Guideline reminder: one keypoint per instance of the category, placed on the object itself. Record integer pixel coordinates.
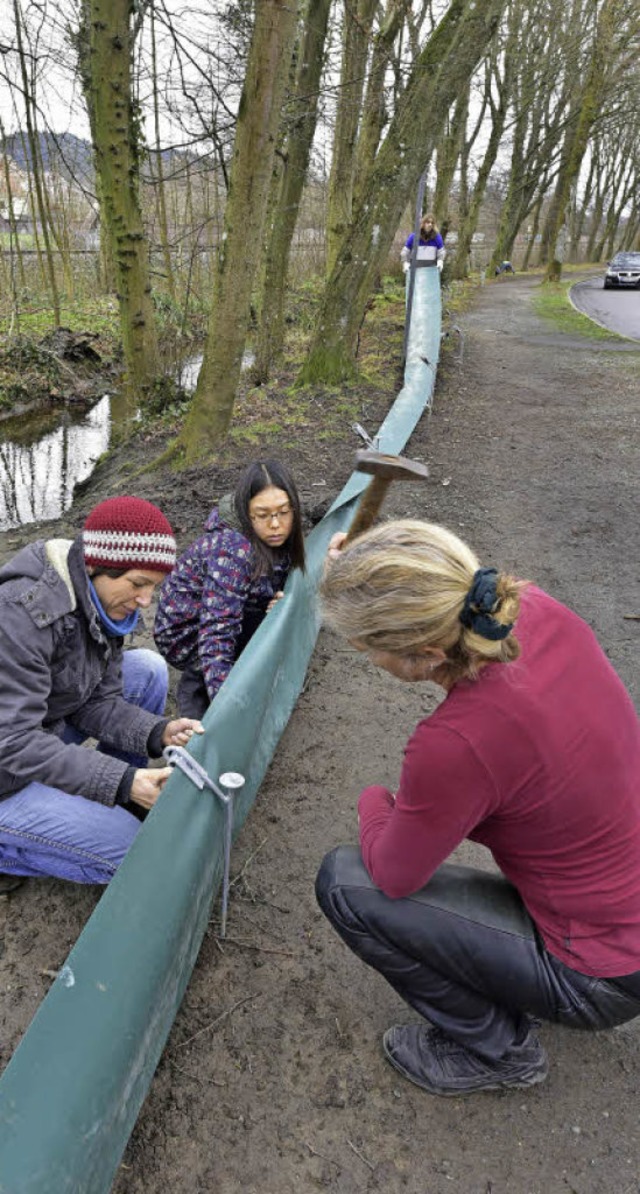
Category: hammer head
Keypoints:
(390, 468)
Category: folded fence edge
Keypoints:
(72, 1091)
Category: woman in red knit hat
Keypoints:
(65, 609)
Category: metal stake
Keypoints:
(231, 782)
(373, 444)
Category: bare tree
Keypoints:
(356, 39)
(35, 162)
(105, 43)
(239, 255)
(614, 48)
(287, 191)
(440, 71)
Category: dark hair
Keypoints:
(112, 573)
(258, 476)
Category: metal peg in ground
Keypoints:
(383, 469)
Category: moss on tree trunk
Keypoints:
(107, 77)
(442, 68)
(239, 252)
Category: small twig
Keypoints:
(255, 899)
(359, 1154)
(58, 360)
(218, 1020)
(202, 1081)
(264, 949)
(315, 1153)
(631, 617)
(247, 861)
(245, 916)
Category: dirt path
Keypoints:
(273, 1081)
(284, 1091)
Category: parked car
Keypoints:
(623, 270)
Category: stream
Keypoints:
(45, 454)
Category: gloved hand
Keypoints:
(440, 264)
(405, 267)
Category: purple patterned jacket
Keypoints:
(209, 594)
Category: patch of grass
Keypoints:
(82, 315)
(255, 433)
(551, 301)
(457, 295)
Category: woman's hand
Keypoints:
(275, 599)
(336, 543)
(181, 731)
(147, 785)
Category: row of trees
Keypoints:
(541, 97)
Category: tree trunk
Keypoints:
(296, 155)
(239, 253)
(469, 222)
(534, 232)
(580, 215)
(356, 37)
(14, 236)
(588, 106)
(106, 74)
(631, 237)
(374, 112)
(596, 219)
(35, 165)
(447, 154)
(161, 205)
(439, 73)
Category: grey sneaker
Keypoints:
(431, 1059)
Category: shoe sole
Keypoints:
(534, 1080)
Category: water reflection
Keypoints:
(190, 369)
(40, 467)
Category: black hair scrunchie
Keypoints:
(476, 613)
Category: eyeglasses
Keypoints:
(267, 516)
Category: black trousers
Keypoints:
(465, 954)
(192, 696)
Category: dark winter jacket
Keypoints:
(210, 605)
(56, 667)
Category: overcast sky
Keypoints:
(58, 94)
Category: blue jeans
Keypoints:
(44, 831)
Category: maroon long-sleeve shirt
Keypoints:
(540, 761)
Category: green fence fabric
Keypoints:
(72, 1091)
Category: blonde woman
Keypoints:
(534, 752)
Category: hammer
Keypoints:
(383, 469)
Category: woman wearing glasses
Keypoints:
(225, 582)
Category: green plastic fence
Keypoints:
(72, 1091)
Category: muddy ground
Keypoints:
(533, 450)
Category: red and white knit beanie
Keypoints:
(127, 532)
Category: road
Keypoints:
(618, 310)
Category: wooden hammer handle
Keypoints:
(369, 507)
